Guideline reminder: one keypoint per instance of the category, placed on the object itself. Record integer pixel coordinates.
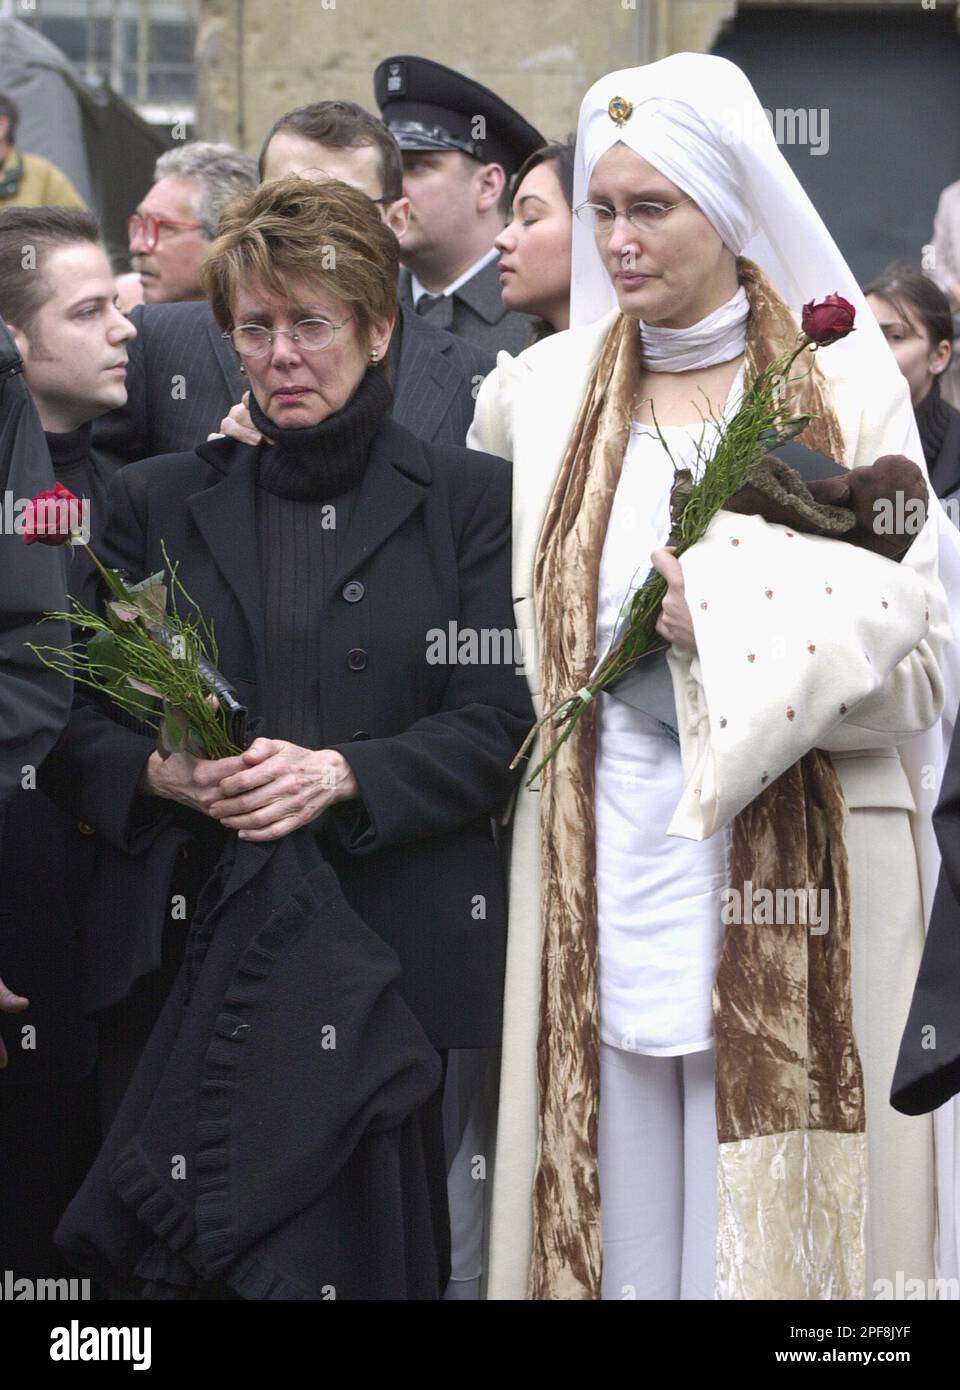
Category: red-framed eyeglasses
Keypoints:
(145, 228)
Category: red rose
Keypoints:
(829, 320)
(51, 515)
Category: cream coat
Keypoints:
(525, 412)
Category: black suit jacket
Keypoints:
(476, 312)
(429, 742)
(184, 377)
(34, 700)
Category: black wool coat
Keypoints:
(33, 699)
(426, 551)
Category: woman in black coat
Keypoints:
(341, 565)
(915, 316)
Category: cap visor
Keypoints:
(407, 141)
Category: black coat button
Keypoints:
(353, 591)
(356, 659)
(84, 828)
(359, 735)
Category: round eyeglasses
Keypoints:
(643, 217)
(311, 335)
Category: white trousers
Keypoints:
(658, 1175)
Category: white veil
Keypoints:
(697, 119)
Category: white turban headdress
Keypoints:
(698, 121)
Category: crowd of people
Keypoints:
(362, 1010)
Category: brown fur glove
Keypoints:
(881, 507)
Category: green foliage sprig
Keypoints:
(138, 654)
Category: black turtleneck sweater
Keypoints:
(88, 480)
(308, 484)
(939, 426)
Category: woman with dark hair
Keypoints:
(914, 316)
(535, 246)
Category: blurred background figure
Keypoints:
(914, 315)
(29, 180)
(535, 246)
(945, 270)
(177, 219)
(339, 140)
(460, 146)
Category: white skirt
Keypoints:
(658, 897)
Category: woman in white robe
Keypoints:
(706, 139)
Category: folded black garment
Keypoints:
(269, 1144)
(927, 1073)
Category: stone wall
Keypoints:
(258, 58)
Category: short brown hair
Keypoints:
(343, 125)
(294, 228)
(24, 288)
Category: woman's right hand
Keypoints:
(194, 782)
(238, 425)
(10, 1003)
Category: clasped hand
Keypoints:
(268, 791)
(674, 623)
(238, 424)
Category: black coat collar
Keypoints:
(945, 469)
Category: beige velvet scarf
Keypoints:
(790, 1109)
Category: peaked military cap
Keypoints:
(427, 106)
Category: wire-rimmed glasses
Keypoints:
(643, 217)
(312, 335)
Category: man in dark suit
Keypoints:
(184, 376)
(461, 144)
(34, 701)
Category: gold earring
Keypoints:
(374, 355)
(243, 370)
